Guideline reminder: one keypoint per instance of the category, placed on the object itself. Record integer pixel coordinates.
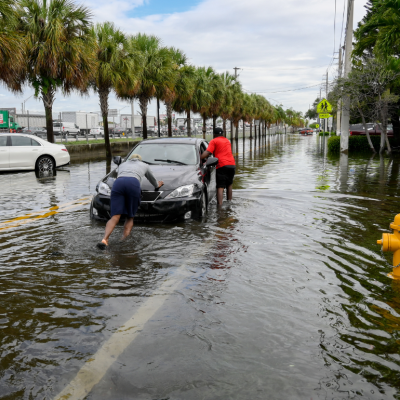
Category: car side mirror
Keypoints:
(211, 162)
(117, 160)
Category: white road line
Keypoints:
(96, 367)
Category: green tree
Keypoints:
(158, 74)
(117, 68)
(59, 49)
(12, 46)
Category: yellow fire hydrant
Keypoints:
(391, 242)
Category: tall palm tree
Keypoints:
(11, 46)
(183, 86)
(230, 85)
(117, 68)
(158, 72)
(59, 49)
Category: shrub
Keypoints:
(356, 143)
(324, 134)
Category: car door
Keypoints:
(4, 153)
(24, 152)
(209, 174)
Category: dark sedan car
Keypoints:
(373, 129)
(189, 184)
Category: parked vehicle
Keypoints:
(23, 152)
(373, 129)
(65, 128)
(189, 184)
(306, 131)
(84, 120)
(7, 121)
(97, 131)
(120, 131)
(35, 131)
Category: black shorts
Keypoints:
(225, 176)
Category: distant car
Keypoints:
(120, 131)
(35, 131)
(65, 128)
(19, 152)
(373, 129)
(306, 131)
(97, 131)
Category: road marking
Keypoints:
(93, 371)
(31, 217)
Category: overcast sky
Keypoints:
(280, 45)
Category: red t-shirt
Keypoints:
(221, 148)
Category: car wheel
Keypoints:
(45, 164)
(202, 208)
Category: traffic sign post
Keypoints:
(323, 116)
(324, 107)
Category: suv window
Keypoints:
(3, 140)
(35, 143)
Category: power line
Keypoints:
(289, 90)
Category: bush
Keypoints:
(324, 134)
(356, 143)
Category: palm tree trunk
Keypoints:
(204, 126)
(189, 127)
(237, 130)
(48, 100)
(231, 129)
(251, 129)
(103, 95)
(168, 106)
(224, 126)
(143, 102)
(214, 122)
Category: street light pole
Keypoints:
(344, 136)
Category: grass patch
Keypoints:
(94, 141)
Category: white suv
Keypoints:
(65, 128)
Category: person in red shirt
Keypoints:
(221, 148)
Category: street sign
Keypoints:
(113, 113)
(317, 125)
(324, 107)
(323, 116)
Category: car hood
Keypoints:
(173, 176)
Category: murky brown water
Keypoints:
(284, 293)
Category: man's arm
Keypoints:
(205, 154)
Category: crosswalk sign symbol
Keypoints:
(324, 107)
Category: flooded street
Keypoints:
(282, 294)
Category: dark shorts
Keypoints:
(125, 197)
(225, 176)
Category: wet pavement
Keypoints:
(282, 294)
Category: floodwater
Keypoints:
(282, 294)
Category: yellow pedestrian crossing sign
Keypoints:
(323, 116)
(324, 107)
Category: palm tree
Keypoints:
(59, 49)
(117, 69)
(11, 46)
(183, 86)
(230, 86)
(158, 72)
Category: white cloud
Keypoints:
(279, 45)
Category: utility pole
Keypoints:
(318, 119)
(236, 70)
(326, 94)
(338, 114)
(344, 136)
(132, 120)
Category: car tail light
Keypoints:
(65, 150)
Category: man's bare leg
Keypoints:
(127, 228)
(111, 224)
(220, 196)
(229, 193)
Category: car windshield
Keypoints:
(169, 153)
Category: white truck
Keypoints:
(85, 120)
(30, 120)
